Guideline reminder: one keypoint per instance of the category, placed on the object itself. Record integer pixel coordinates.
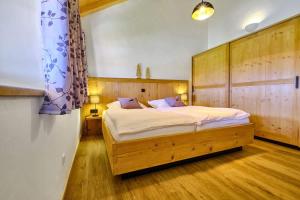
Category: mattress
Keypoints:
(169, 130)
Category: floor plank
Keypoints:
(261, 171)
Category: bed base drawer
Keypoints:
(130, 156)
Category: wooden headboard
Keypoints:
(109, 89)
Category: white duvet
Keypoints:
(203, 115)
(137, 120)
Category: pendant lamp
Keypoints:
(203, 11)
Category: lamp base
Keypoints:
(94, 112)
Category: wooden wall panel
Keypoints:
(110, 89)
(127, 89)
(169, 89)
(263, 70)
(211, 77)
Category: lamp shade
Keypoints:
(203, 11)
(94, 99)
(184, 97)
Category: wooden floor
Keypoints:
(261, 171)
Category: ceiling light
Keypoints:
(251, 27)
(203, 11)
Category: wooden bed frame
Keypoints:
(134, 155)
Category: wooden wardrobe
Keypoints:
(264, 70)
(211, 77)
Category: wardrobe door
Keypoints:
(297, 84)
(263, 72)
(211, 77)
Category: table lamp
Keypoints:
(184, 97)
(94, 99)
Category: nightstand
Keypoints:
(93, 125)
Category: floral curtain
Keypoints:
(64, 57)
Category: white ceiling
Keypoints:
(231, 16)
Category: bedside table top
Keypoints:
(91, 117)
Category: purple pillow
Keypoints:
(174, 101)
(129, 103)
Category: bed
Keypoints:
(137, 150)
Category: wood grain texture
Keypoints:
(16, 91)
(90, 6)
(265, 82)
(263, 71)
(261, 171)
(211, 77)
(298, 74)
(110, 89)
(92, 126)
(133, 155)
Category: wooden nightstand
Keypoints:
(93, 126)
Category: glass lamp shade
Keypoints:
(94, 99)
(203, 11)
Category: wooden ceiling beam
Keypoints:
(96, 5)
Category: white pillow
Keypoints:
(117, 105)
(160, 103)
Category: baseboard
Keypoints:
(278, 143)
(69, 172)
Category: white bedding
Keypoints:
(145, 134)
(142, 123)
(224, 123)
(204, 115)
(130, 121)
(169, 130)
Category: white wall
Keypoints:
(20, 39)
(162, 35)
(159, 34)
(31, 148)
(31, 145)
(232, 15)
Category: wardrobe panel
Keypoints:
(263, 71)
(213, 97)
(211, 77)
(245, 98)
(298, 75)
(247, 63)
(276, 114)
(280, 45)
